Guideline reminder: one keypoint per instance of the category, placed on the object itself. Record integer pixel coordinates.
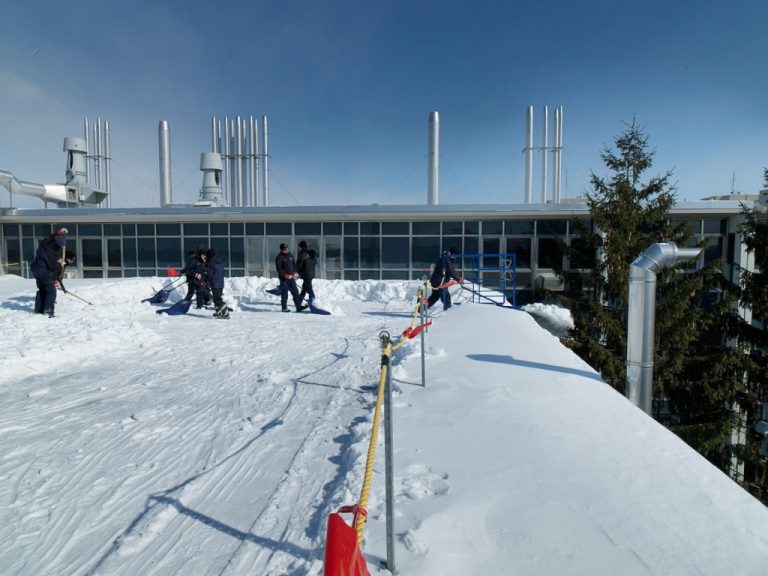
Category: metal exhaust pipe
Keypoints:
(642, 317)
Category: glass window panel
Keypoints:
(254, 229)
(28, 248)
(307, 228)
(521, 247)
(370, 252)
(279, 229)
(332, 254)
(715, 225)
(145, 229)
(114, 257)
(236, 253)
(394, 252)
(492, 227)
(114, 273)
(332, 228)
(13, 251)
(518, 227)
(146, 272)
(394, 275)
(169, 252)
(146, 251)
(551, 227)
(369, 275)
(237, 228)
(255, 255)
(221, 247)
(129, 253)
(220, 229)
(713, 250)
(472, 228)
(351, 228)
(90, 230)
(130, 272)
(426, 228)
(129, 229)
(371, 228)
(549, 253)
(196, 229)
(351, 252)
(351, 274)
(424, 252)
(42, 230)
(28, 230)
(168, 229)
(395, 228)
(453, 228)
(90, 253)
(111, 229)
(92, 273)
(11, 230)
(581, 254)
(491, 246)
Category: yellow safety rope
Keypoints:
(361, 518)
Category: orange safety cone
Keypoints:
(342, 554)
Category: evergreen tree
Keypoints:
(754, 337)
(627, 217)
(697, 378)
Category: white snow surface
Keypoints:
(133, 443)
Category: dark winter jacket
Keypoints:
(46, 263)
(215, 271)
(306, 262)
(285, 265)
(444, 270)
(195, 269)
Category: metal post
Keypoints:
(388, 461)
(422, 314)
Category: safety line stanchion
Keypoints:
(423, 311)
(389, 475)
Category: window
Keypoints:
(394, 252)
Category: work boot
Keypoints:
(285, 310)
(49, 311)
(301, 307)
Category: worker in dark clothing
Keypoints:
(215, 276)
(443, 273)
(286, 273)
(195, 271)
(306, 262)
(47, 269)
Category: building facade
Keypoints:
(354, 242)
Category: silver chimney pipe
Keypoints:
(96, 155)
(544, 150)
(214, 136)
(107, 166)
(87, 150)
(528, 155)
(433, 159)
(239, 161)
(265, 161)
(642, 317)
(252, 164)
(165, 163)
(557, 156)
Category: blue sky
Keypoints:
(348, 86)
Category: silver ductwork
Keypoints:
(265, 162)
(433, 160)
(164, 136)
(239, 149)
(528, 154)
(642, 317)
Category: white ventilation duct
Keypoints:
(642, 317)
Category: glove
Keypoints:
(287, 276)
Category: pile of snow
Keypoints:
(137, 443)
